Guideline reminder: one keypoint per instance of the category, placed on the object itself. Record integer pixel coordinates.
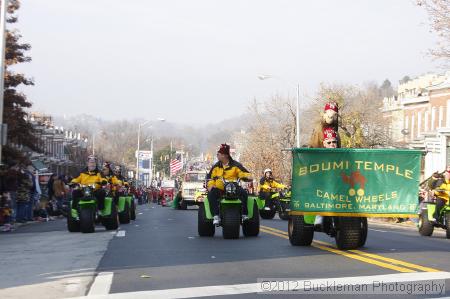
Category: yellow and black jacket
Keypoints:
(266, 185)
(119, 180)
(232, 172)
(88, 178)
(112, 179)
(443, 195)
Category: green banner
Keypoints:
(355, 182)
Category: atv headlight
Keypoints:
(230, 189)
(87, 192)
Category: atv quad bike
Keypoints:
(84, 216)
(427, 223)
(126, 208)
(230, 214)
(280, 204)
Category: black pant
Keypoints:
(267, 196)
(440, 203)
(98, 194)
(215, 195)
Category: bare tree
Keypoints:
(439, 14)
(271, 128)
(361, 122)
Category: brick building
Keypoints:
(419, 117)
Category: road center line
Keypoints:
(249, 288)
(102, 284)
(369, 258)
(394, 261)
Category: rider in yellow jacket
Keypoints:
(267, 186)
(442, 197)
(230, 170)
(90, 176)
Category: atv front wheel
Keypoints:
(112, 222)
(205, 226)
(425, 227)
(267, 214)
(250, 228)
(87, 221)
(231, 222)
(73, 225)
(300, 233)
(124, 217)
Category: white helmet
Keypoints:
(267, 170)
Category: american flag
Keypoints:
(175, 166)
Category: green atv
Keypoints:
(230, 214)
(280, 203)
(349, 232)
(126, 208)
(427, 223)
(84, 217)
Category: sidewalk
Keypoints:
(18, 225)
(391, 222)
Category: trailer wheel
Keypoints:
(349, 232)
(300, 233)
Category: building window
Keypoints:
(433, 118)
(447, 123)
(419, 123)
(426, 122)
(441, 116)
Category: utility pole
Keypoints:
(3, 9)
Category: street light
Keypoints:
(139, 143)
(297, 86)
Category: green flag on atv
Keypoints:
(355, 182)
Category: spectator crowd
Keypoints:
(23, 199)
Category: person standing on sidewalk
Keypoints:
(11, 185)
(36, 193)
(25, 183)
(59, 190)
(5, 203)
(30, 205)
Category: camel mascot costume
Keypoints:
(326, 129)
(329, 120)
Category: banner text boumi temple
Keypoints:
(355, 182)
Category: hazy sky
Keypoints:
(196, 61)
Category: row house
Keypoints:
(60, 151)
(419, 118)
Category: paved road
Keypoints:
(161, 256)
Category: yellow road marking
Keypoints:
(346, 254)
(394, 261)
(273, 233)
(357, 254)
(274, 229)
(387, 259)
